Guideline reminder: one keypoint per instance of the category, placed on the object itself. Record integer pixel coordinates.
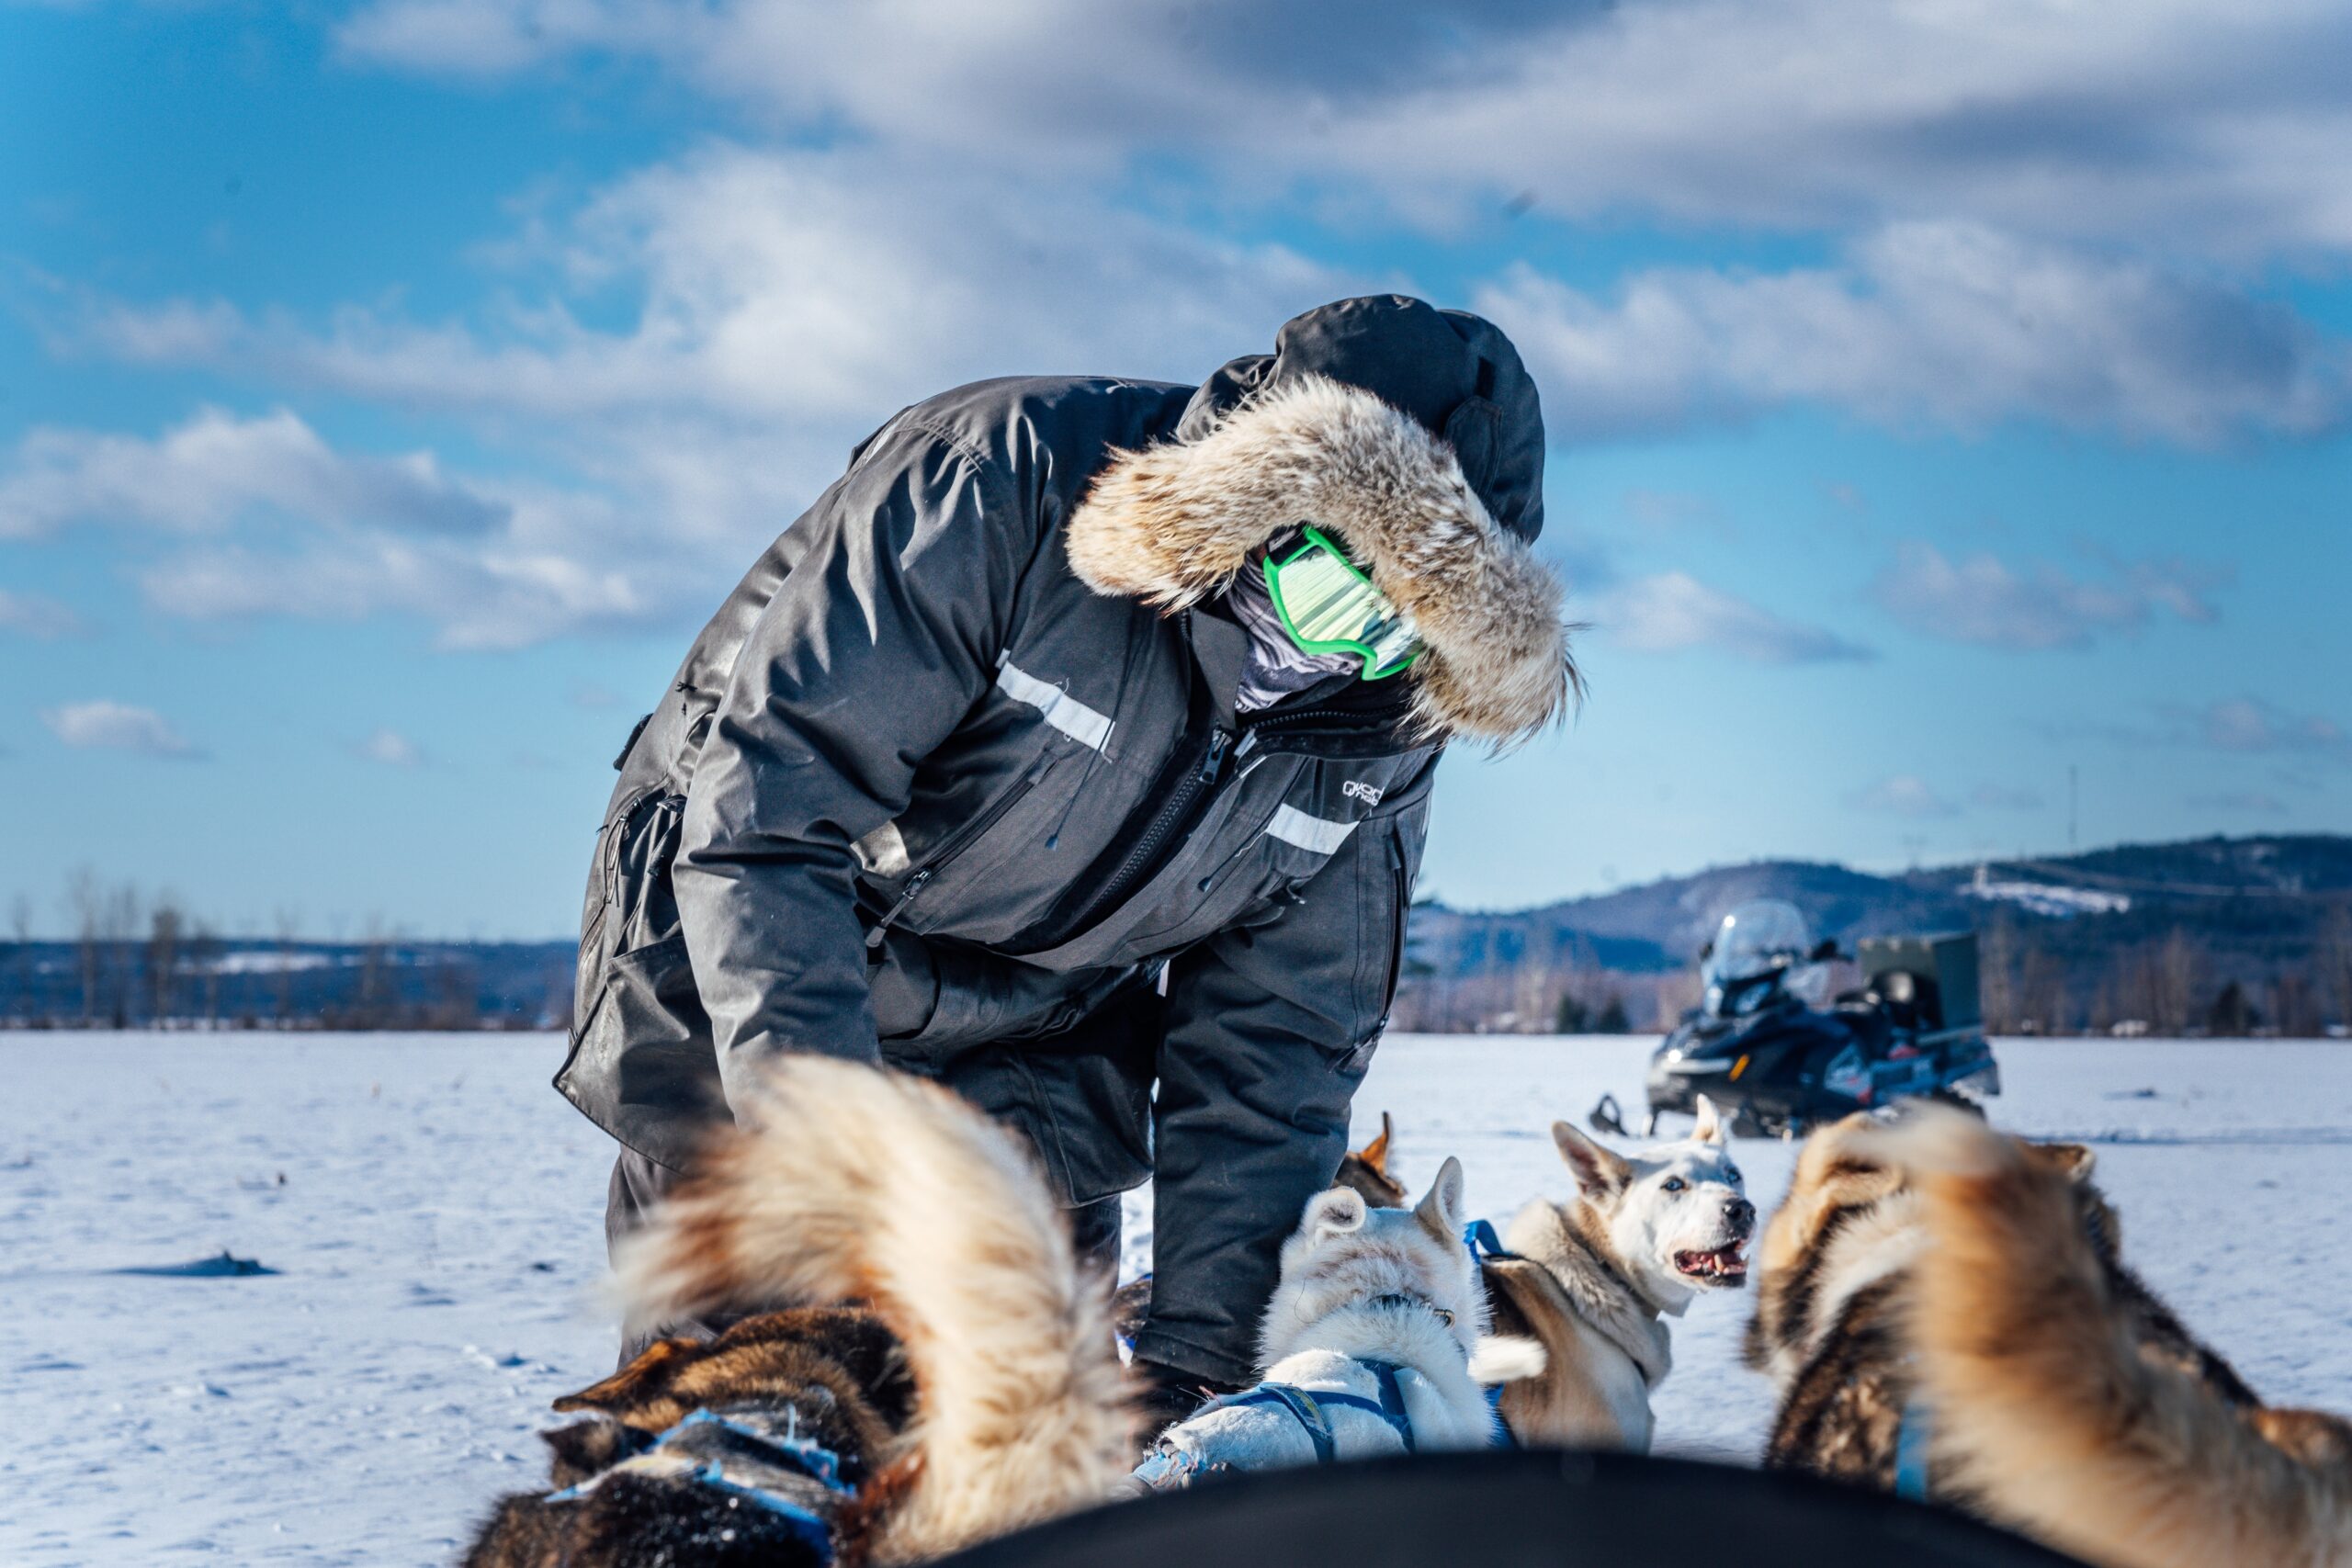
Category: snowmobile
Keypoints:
(1773, 1057)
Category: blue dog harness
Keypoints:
(1170, 1468)
(739, 1457)
(1911, 1441)
(1480, 1238)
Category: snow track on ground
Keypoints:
(439, 1243)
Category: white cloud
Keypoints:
(388, 746)
(786, 285)
(2251, 725)
(2195, 126)
(1926, 324)
(44, 620)
(282, 524)
(1672, 611)
(1903, 794)
(107, 726)
(215, 469)
(1981, 599)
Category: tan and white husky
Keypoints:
(1592, 1279)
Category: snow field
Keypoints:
(438, 1242)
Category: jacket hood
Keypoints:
(1174, 523)
(1454, 373)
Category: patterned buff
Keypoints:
(1277, 666)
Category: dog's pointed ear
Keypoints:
(643, 1379)
(1376, 1153)
(1335, 1213)
(1599, 1171)
(1440, 1209)
(2075, 1159)
(1710, 1129)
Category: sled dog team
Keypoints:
(1944, 1310)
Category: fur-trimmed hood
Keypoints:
(1174, 523)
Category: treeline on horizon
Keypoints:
(145, 961)
(2220, 970)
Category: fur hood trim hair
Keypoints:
(1173, 523)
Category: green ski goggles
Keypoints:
(1328, 606)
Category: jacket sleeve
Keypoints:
(1270, 1030)
(880, 638)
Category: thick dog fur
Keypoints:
(1363, 1171)
(1361, 1284)
(1591, 1278)
(2049, 1406)
(1832, 1324)
(860, 1185)
(1174, 523)
(834, 1375)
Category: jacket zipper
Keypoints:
(1177, 816)
(957, 843)
(1396, 943)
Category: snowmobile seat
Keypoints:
(1514, 1508)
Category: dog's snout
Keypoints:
(1741, 1212)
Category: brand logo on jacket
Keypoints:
(1366, 793)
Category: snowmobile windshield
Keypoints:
(1754, 939)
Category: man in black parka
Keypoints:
(998, 767)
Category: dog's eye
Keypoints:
(1731, 1175)
(1672, 1184)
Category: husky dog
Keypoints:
(976, 1390)
(1363, 1171)
(2055, 1405)
(1587, 1279)
(1832, 1324)
(1377, 1321)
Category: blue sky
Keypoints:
(1942, 397)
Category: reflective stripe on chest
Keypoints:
(1064, 712)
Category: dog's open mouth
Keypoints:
(1723, 1265)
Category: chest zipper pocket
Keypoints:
(963, 839)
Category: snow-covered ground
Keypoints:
(433, 1212)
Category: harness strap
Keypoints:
(1479, 1236)
(1911, 1443)
(668, 1457)
(1307, 1408)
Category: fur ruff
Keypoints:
(2049, 1407)
(1598, 1290)
(861, 1184)
(1173, 523)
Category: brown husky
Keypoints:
(2056, 1404)
(1836, 1277)
(976, 1390)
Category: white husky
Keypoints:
(1376, 1330)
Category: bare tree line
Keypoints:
(147, 960)
(2168, 983)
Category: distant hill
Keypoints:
(2230, 935)
(2071, 941)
